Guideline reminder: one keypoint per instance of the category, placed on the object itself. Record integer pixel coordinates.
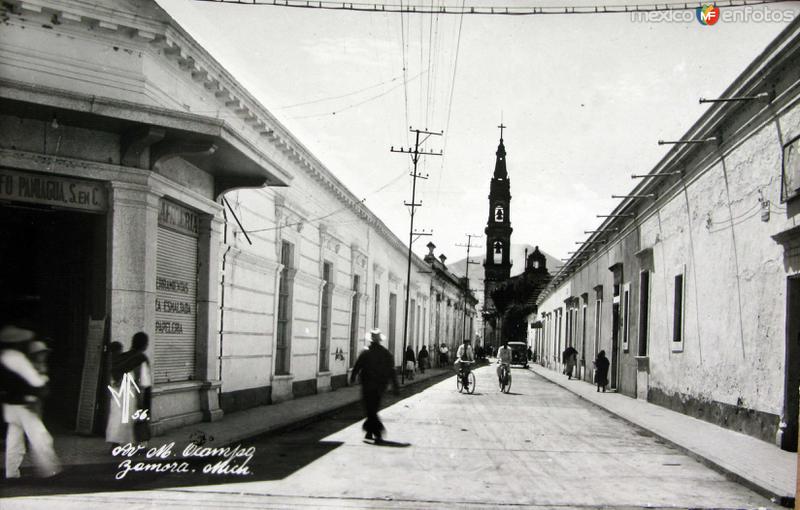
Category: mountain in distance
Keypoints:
(518, 266)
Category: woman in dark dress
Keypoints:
(409, 362)
(601, 365)
(422, 359)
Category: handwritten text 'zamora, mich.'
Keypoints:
(224, 461)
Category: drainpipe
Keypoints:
(222, 289)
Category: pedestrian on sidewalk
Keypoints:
(570, 360)
(409, 362)
(443, 355)
(22, 389)
(135, 427)
(601, 365)
(422, 359)
(376, 367)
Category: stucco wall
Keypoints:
(714, 223)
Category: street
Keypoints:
(538, 446)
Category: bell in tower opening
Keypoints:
(498, 214)
(498, 252)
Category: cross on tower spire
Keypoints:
(502, 127)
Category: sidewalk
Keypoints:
(756, 464)
(81, 450)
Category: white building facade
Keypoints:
(691, 287)
(133, 170)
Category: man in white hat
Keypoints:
(376, 366)
(22, 389)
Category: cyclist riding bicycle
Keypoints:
(463, 356)
(503, 358)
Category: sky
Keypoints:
(585, 99)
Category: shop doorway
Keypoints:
(52, 280)
(791, 405)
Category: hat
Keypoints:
(14, 335)
(38, 346)
(375, 335)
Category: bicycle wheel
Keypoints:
(459, 383)
(471, 388)
(508, 381)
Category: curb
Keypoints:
(779, 499)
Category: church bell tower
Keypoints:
(497, 266)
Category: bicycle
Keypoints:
(465, 378)
(505, 378)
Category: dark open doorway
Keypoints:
(791, 405)
(52, 279)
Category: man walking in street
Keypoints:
(22, 388)
(376, 367)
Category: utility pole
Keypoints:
(415, 155)
(466, 294)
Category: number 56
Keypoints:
(140, 414)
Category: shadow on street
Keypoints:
(277, 455)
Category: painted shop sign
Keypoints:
(178, 218)
(52, 190)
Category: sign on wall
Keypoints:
(52, 190)
(791, 169)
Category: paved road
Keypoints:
(539, 446)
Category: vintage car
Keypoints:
(519, 353)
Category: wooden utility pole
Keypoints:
(415, 155)
(466, 291)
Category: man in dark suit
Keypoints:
(376, 367)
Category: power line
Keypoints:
(450, 104)
(491, 10)
(378, 96)
(331, 98)
(326, 215)
(405, 66)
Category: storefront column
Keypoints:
(208, 368)
(132, 229)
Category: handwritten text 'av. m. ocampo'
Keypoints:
(230, 460)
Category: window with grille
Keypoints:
(644, 310)
(325, 318)
(283, 336)
(376, 311)
(354, 322)
(677, 314)
(598, 311)
(392, 321)
(626, 316)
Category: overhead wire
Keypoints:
(367, 100)
(341, 96)
(329, 214)
(405, 67)
(428, 86)
(493, 10)
(449, 107)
